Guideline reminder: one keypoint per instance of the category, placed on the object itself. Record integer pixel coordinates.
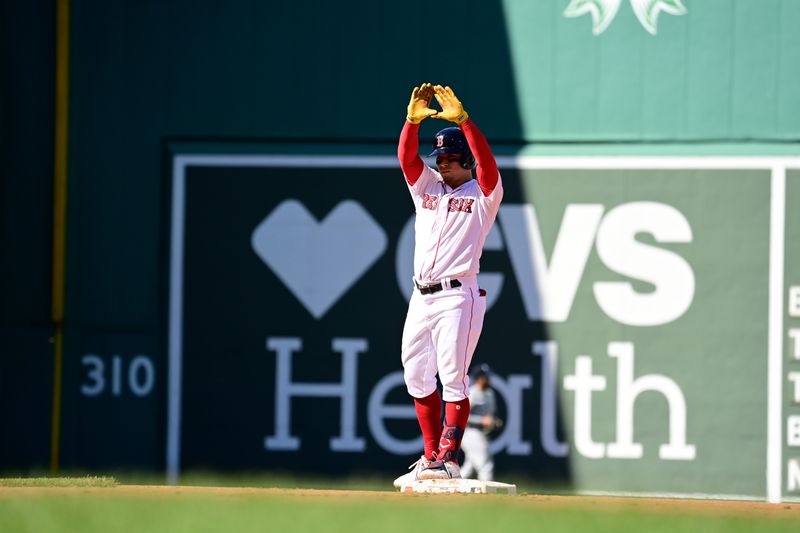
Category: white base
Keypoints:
(452, 486)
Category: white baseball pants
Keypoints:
(440, 335)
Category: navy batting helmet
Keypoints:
(452, 141)
(482, 370)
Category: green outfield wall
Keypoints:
(238, 245)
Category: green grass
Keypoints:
(199, 478)
(85, 481)
(187, 511)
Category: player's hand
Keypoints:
(452, 109)
(418, 107)
(487, 422)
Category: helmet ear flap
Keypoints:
(468, 161)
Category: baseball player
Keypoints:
(454, 213)
(482, 421)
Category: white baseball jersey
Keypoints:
(451, 226)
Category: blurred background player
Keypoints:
(482, 421)
(454, 214)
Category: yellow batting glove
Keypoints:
(418, 107)
(452, 109)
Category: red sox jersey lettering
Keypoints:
(464, 205)
(430, 201)
(461, 204)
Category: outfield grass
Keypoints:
(84, 481)
(277, 479)
(287, 480)
(125, 509)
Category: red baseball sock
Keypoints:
(456, 415)
(429, 415)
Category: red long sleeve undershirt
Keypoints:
(408, 153)
(487, 167)
(411, 163)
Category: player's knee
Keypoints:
(419, 391)
(416, 387)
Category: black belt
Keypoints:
(430, 289)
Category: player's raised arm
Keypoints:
(453, 110)
(408, 147)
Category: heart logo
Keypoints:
(319, 261)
